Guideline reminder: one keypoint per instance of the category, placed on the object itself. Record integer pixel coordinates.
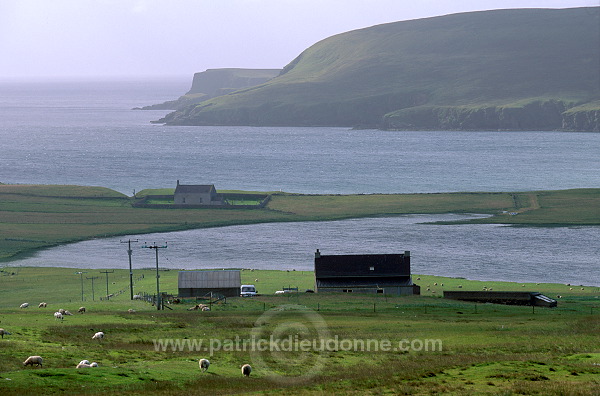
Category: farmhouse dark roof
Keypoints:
(194, 188)
(362, 265)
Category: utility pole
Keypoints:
(80, 273)
(129, 251)
(92, 278)
(107, 272)
(156, 247)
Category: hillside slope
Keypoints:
(502, 69)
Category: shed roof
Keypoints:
(209, 279)
(362, 265)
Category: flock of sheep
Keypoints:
(204, 364)
(38, 361)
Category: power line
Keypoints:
(107, 272)
(92, 278)
(129, 251)
(156, 247)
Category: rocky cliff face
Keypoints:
(537, 115)
(582, 119)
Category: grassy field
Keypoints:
(485, 348)
(38, 216)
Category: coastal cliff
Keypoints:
(517, 69)
(216, 82)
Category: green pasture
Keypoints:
(39, 216)
(485, 348)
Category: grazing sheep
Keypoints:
(98, 336)
(434, 283)
(206, 308)
(31, 360)
(137, 297)
(42, 305)
(24, 305)
(58, 315)
(130, 310)
(81, 310)
(67, 313)
(2, 332)
(246, 370)
(85, 365)
(84, 361)
(199, 306)
(204, 363)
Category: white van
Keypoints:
(247, 290)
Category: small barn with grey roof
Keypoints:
(196, 194)
(202, 283)
(364, 273)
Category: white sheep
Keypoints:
(24, 305)
(62, 311)
(246, 370)
(131, 310)
(42, 305)
(137, 297)
(2, 332)
(85, 365)
(84, 361)
(204, 363)
(98, 336)
(58, 315)
(67, 313)
(31, 360)
(81, 310)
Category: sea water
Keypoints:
(86, 133)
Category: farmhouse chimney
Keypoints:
(317, 254)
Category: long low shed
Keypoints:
(502, 297)
(201, 283)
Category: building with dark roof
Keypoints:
(197, 194)
(364, 273)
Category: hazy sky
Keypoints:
(111, 38)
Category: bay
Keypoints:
(483, 252)
(85, 133)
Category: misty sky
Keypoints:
(139, 38)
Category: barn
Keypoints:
(201, 283)
(364, 273)
(196, 194)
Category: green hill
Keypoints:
(501, 69)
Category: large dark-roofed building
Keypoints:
(364, 273)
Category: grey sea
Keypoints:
(85, 133)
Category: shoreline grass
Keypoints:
(34, 217)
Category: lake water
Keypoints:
(85, 133)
